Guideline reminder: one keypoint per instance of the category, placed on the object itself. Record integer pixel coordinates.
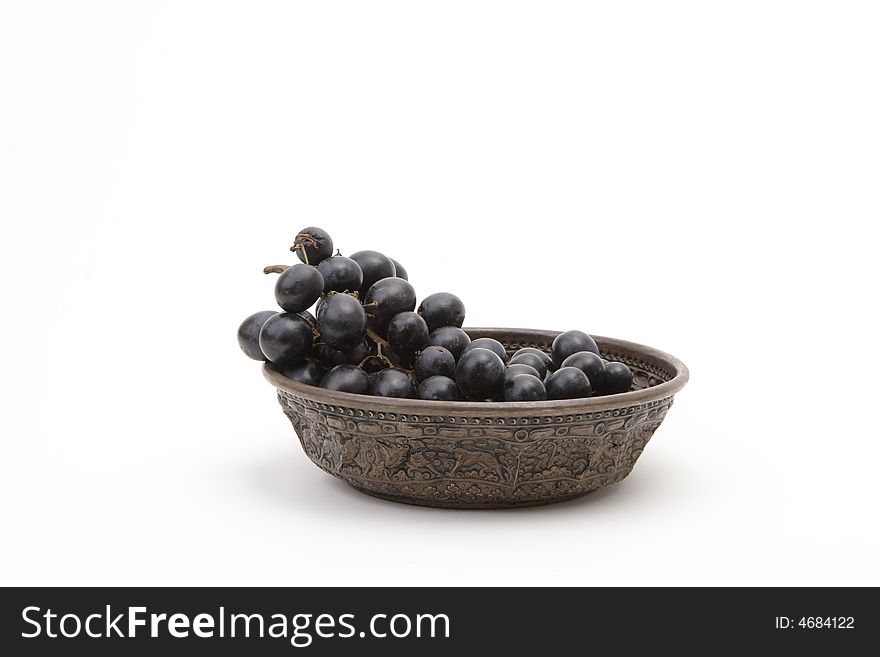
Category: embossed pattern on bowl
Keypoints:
(486, 455)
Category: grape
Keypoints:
(618, 378)
(353, 356)
(298, 287)
(249, 334)
(392, 383)
(516, 369)
(490, 344)
(341, 274)
(407, 334)
(548, 362)
(347, 378)
(531, 360)
(312, 245)
(568, 383)
(451, 338)
(374, 267)
(434, 361)
(524, 387)
(591, 365)
(286, 338)
(480, 375)
(310, 372)
(569, 343)
(399, 271)
(385, 299)
(442, 309)
(342, 321)
(439, 388)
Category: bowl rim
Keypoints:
(431, 407)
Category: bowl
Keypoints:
(485, 455)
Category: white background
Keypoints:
(700, 177)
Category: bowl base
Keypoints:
(441, 504)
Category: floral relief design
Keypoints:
(472, 460)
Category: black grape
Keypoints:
(442, 309)
(385, 299)
(524, 387)
(407, 333)
(568, 383)
(434, 361)
(342, 321)
(451, 338)
(569, 343)
(533, 361)
(286, 338)
(341, 274)
(591, 365)
(392, 383)
(374, 266)
(618, 378)
(298, 287)
(249, 334)
(347, 378)
(330, 357)
(488, 343)
(439, 388)
(399, 271)
(515, 369)
(310, 372)
(548, 362)
(480, 375)
(312, 245)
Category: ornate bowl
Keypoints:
(484, 455)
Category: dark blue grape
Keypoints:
(488, 343)
(393, 383)
(249, 334)
(298, 287)
(524, 387)
(591, 365)
(434, 361)
(347, 378)
(342, 321)
(286, 338)
(374, 266)
(442, 309)
(480, 375)
(399, 271)
(569, 343)
(407, 334)
(330, 357)
(531, 360)
(439, 388)
(312, 245)
(515, 369)
(385, 299)
(309, 372)
(341, 274)
(548, 362)
(618, 379)
(568, 383)
(451, 338)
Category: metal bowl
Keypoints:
(485, 455)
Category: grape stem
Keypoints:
(275, 269)
(384, 349)
(299, 245)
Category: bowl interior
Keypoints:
(655, 375)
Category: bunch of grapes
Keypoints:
(367, 337)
